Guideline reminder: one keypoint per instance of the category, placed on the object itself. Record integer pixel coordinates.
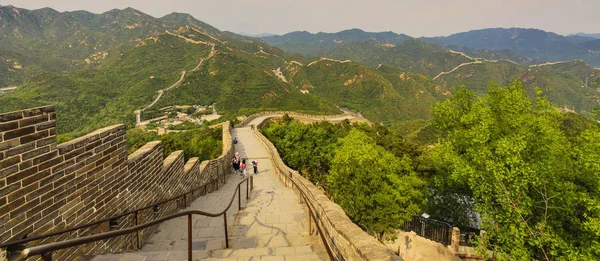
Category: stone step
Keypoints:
(264, 253)
(273, 224)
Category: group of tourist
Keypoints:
(239, 165)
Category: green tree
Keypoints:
(595, 112)
(306, 148)
(286, 118)
(190, 110)
(377, 190)
(536, 191)
(172, 114)
(204, 143)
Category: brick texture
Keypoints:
(46, 187)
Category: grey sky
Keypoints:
(413, 17)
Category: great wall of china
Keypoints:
(47, 187)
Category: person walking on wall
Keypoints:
(243, 168)
(235, 162)
(255, 166)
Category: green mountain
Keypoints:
(44, 40)
(317, 44)
(502, 55)
(108, 92)
(238, 75)
(99, 68)
(572, 85)
(411, 55)
(533, 43)
(386, 48)
(386, 94)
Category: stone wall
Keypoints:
(348, 241)
(303, 117)
(46, 187)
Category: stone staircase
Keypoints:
(273, 224)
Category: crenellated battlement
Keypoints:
(46, 187)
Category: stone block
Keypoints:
(18, 133)
(35, 136)
(21, 175)
(21, 192)
(45, 157)
(22, 208)
(45, 125)
(50, 163)
(11, 116)
(33, 120)
(40, 191)
(38, 111)
(9, 126)
(35, 152)
(8, 171)
(5, 190)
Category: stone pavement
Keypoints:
(273, 225)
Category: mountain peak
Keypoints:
(353, 30)
(10, 8)
(177, 14)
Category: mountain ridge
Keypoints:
(532, 43)
(597, 36)
(99, 68)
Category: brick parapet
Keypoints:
(46, 187)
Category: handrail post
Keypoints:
(226, 236)
(239, 198)
(309, 220)
(190, 237)
(47, 256)
(137, 221)
(247, 185)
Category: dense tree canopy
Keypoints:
(306, 148)
(367, 170)
(536, 188)
(378, 190)
(204, 143)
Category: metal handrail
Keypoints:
(136, 211)
(436, 230)
(46, 250)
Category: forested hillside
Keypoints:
(571, 85)
(103, 67)
(533, 43)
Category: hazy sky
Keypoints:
(413, 17)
